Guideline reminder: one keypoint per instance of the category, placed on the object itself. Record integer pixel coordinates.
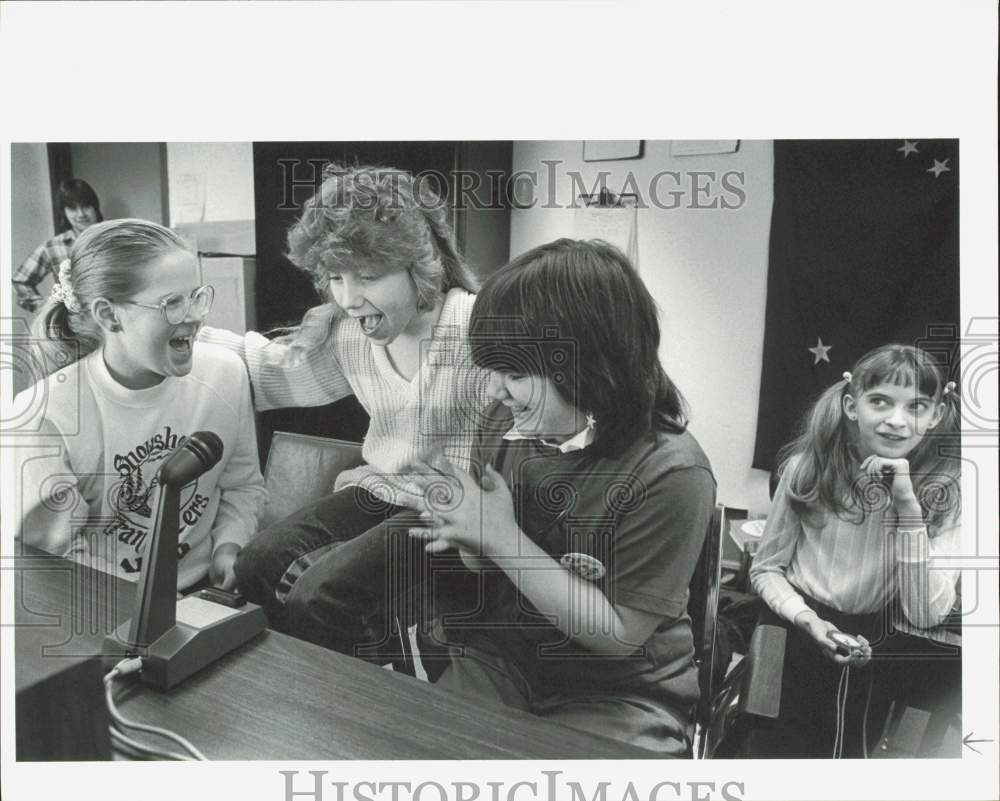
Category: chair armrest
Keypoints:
(751, 690)
(760, 693)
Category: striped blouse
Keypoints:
(855, 568)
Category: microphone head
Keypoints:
(199, 454)
(207, 445)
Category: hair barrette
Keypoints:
(847, 376)
(948, 388)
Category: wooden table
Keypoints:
(278, 697)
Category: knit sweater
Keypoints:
(436, 412)
(87, 481)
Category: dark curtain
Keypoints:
(863, 252)
(60, 169)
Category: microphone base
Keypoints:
(204, 632)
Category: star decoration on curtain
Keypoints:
(820, 351)
(939, 167)
(908, 147)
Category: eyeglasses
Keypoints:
(175, 308)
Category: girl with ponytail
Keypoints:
(394, 333)
(124, 385)
(868, 504)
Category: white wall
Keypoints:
(210, 186)
(30, 225)
(127, 176)
(707, 270)
(210, 181)
(31, 213)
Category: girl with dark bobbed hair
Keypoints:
(577, 313)
(75, 193)
(589, 513)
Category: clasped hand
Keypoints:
(475, 518)
(896, 473)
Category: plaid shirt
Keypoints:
(45, 260)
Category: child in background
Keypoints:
(122, 318)
(869, 498)
(586, 523)
(377, 243)
(81, 208)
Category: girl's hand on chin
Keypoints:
(896, 474)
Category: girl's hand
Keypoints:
(896, 473)
(312, 332)
(220, 572)
(820, 629)
(456, 509)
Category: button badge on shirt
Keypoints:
(584, 565)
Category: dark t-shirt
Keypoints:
(643, 516)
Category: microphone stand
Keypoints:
(156, 610)
(175, 638)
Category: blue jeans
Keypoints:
(338, 573)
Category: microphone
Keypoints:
(154, 614)
(199, 454)
(174, 648)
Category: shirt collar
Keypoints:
(577, 442)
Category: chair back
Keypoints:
(301, 469)
(703, 605)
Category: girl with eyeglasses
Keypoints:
(123, 385)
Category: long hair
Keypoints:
(578, 314)
(75, 192)
(825, 465)
(106, 261)
(388, 217)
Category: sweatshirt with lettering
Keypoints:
(89, 454)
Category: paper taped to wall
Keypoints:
(616, 225)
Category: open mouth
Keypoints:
(369, 323)
(182, 344)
